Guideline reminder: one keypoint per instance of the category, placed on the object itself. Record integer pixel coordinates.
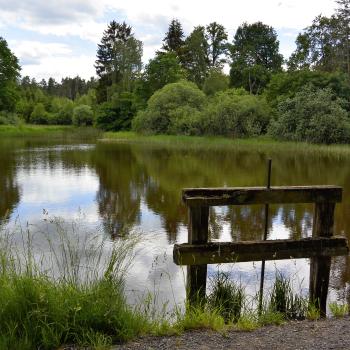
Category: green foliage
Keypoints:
(118, 57)
(284, 301)
(173, 40)
(226, 297)
(174, 109)
(164, 69)
(83, 115)
(39, 115)
(234, 114)
(88, 99)
(255, 56)
(216, 81)
(9, 72)
(313, 115)
(320, 46)
(195, 58)
(64, 115)
(116, 114)
(216, 37)
(287, 84)
(9, 118)
(38, 311)
(339, 310)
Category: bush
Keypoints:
(39, 115)
(63, 116)
(288, 84)
(313, 115)
(8, 118)
(83, 115)
(116, 114)
(235, 113)
(215, 82)
(226, 297)
(174, 109)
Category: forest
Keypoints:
(184, 88)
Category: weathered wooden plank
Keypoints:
(215, 253)
(260, 195)
(197, 234)
(320, 266)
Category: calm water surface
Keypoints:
(118, 188)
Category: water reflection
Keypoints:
(126, 186)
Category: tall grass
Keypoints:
(285, 301)
(261, 144)
(226, 297)
(55, 131)
(78, 299)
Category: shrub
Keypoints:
(313, 115)
(8, 118)
(83, 115)
(64, 115)
(215, 82)
(172, 109)
(116, 114)
(39, 115)
(226, 297)
(288, 84)
(284, 301)
(237, 114)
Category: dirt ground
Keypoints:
(310, 335)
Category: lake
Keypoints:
(117, 188)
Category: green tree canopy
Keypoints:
(118, 57)
(174, 38)
(9, 72)
(174, 109)
(255, 56)
(195, 59)
(312, 115)
(165, 68)
(287, 84)
(216, 37)
(216, 81)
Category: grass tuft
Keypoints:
(67, 304)
(339, 310)
(226, 297)
(285, 302)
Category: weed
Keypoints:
(339, 310)
(226, 297)
(284, 301)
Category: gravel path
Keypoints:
(310, 335)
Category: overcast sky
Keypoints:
(58, 38)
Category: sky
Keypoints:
(58, 38)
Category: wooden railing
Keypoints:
(198, 252)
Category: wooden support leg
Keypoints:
(320, 266)
(197, 274)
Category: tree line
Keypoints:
(183, 89)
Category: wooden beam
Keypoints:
(197, 274)
(320, 266)
(261, 195)
(226, 252)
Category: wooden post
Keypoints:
(197, 274)
(320, 266)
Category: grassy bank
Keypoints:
(261, 144)
(73, 293)
(56, 131)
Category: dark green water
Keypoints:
(124, 187)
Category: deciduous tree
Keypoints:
(255, 56)
(9, 72)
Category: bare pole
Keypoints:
(266, 228)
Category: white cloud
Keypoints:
(44, 60)
(87, 19)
